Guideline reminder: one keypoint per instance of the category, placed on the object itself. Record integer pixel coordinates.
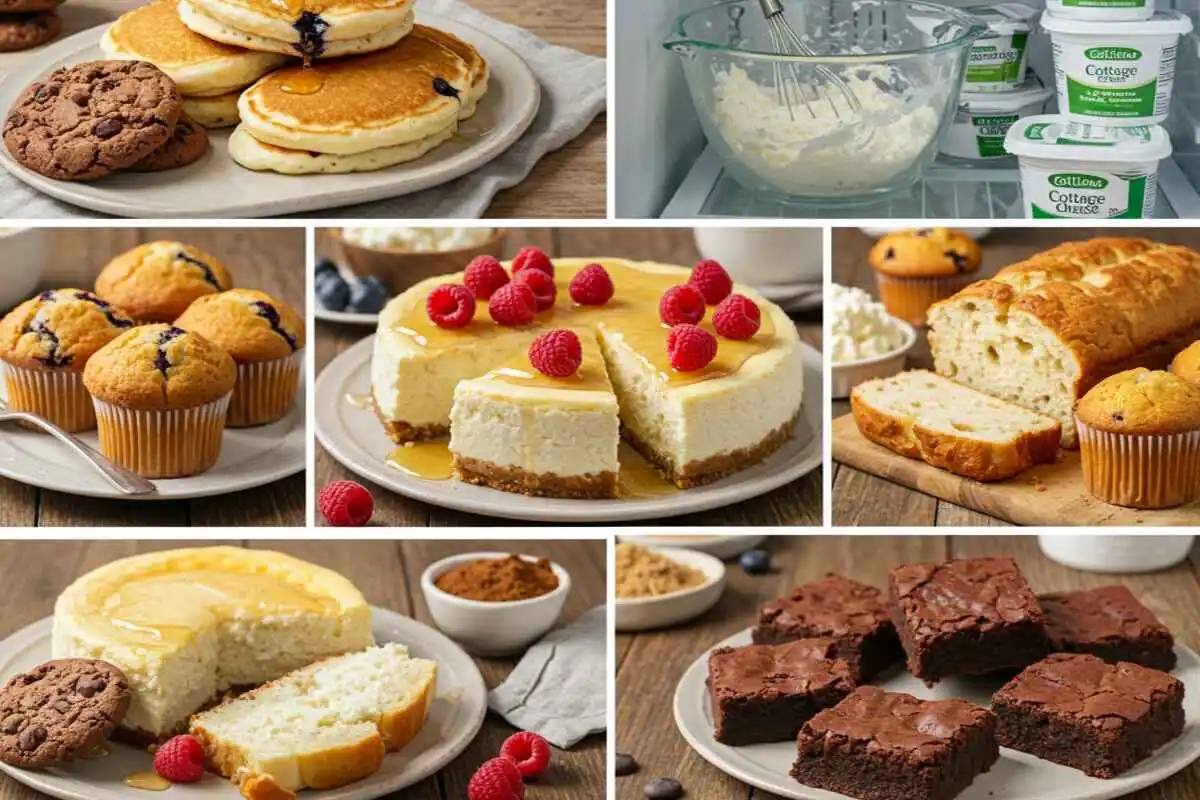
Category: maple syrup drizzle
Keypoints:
(426, 460)
(148, 781)
(638, 477)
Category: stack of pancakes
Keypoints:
(346, 86)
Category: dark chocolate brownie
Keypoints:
(878, 745)
(1083, 712)
(853, 613)
(765, 692)
(966, 617)
(1108, 622)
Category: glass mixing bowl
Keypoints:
(857, 121)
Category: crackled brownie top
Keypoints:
(770, 670)
(1098, 615)
(900, 722)
(831, 606)
(982, 593)
(1090, 688)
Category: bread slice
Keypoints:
(320, 727)
(921, 415)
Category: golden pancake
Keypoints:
(310, 25)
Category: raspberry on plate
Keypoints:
(737, 317)
(557, 353)
(483, 276)
(591, 286)
(498, 779)
(530, 752)
(712, 280)
(681, 305)
(513, 304)
(346, 504)
(690, 348)
(544, 290)
(450, 306)
(180, 760)
(531, 257)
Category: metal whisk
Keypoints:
(787, 76)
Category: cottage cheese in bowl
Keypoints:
(418, 240)
(860, 326)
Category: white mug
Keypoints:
(21, 257)
(765, 256)
(1116, 553)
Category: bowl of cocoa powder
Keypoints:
(495, 604)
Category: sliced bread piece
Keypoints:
(320, 727)
(921, 415)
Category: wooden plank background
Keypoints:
(269, 259)
(798, 503)
(388, 574)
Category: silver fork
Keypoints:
(122, 479)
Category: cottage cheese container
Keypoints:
(998, 59)
(1107, 10)
(1072, 170)
(1117, 73)
(983, 119)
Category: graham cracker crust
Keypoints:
(596, 486)
(403, 433)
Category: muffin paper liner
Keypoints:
(265, 391)
(1140, 471)
(909, 298)
(58, 396)
(173, 443)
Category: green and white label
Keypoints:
(1114, 81)
(990, 132)
(1104, 3)
(997, 59)
(1087, 194)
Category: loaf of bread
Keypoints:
(1044, 331)
(924, 416)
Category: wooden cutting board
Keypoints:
(1048, 494)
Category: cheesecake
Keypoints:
(514, 429)
(187, 626)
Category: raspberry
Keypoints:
(513, 304)
(483, 276)
(346, 504)
(737, 317)
(591, 286)
(556, 353)
(690, 348)
(180, 760)
(681, 304)
(450, 306)
(528, 751)
(544, 290)
(531, 258)
(712, 280)
(498, 779)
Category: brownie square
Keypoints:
(764, 693)
(966, 617)
(1110, 623)
(1083, 712)
(878, 745)
(852, 613)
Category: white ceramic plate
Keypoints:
(250, 457)
(347, 317)
(354, 437)
(723, 546)
(454, 720)
(652, 613)
(1016, 776)
(217, 187)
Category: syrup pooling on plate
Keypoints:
(640, 478)
(428, 460)
(147, 781)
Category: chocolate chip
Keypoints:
(12, 723)
(31, 738)
(663, 789)
(89, 686)
(626, 764)
(41, 93)
(62, 705)
(108, 128)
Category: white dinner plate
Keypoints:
(353, 436)
(1016, 776)
(250, 457)
(217, 187)
(454, 719)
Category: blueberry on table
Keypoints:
(367, 295)
(325, 265)
(332, 292)
(756, 562)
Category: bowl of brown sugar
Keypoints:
(661, 586)
(495, 604)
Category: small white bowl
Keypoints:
(724, 546)
(849, 374)
(649, 613)
(492, 629)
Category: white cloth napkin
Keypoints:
(559, 690)
(574, 89)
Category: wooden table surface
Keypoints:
(388, 574)
(567, 183)
(272, 260)
(798, 503)
(649, 665)
(860, 498)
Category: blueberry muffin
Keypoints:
(161, 395)
(45, 343)
(266, 339)
(1139, 439)
(156, 282)
(1187, 364)
(917, 268)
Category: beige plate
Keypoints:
(217, 187)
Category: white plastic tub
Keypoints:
(1116, 73)
(998, 59)
(1105, 10)
(983, 119)
(1072, 170)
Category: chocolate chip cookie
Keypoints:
(23, 31)
(81, 123)
(60, 709)
(186, 145)
(28, 6)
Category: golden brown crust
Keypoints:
(402, 433)
(603, 485)
(909, 299)
(250, 325)
(925, 253)
(157, 281)
(59, 329)
(1070, 261)
(1142, 402)
(1187, 363)
(157, 367)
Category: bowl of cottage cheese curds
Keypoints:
(866, 341)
